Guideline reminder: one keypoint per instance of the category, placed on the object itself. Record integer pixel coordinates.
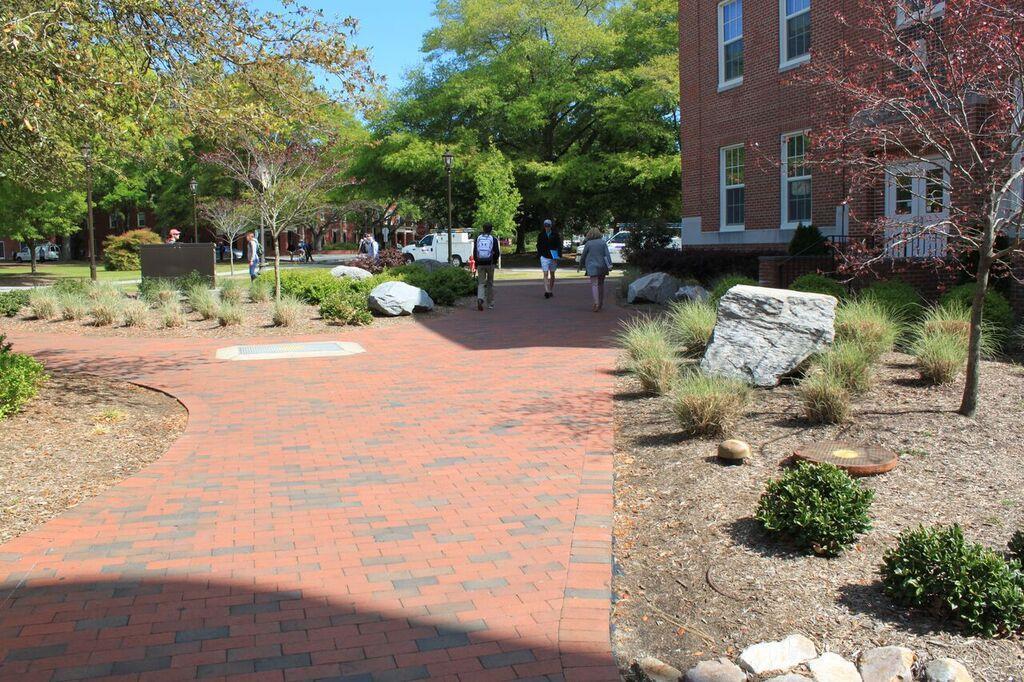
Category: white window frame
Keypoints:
(784, 180)
(902, 18)
(140, 219)
(723, 189)
(3, 250)
(734, 82)
(917, 171)
(784, 62)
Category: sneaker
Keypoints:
(490, 306)
(547, 294)
(480, 304)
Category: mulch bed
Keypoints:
(80, 435)
(257, 322)
(696, 577)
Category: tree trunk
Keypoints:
(520, 239)
(969, 402)
(32, 254)
(277, 268)
(231, 258)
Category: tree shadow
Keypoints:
(631, 396)
(872, 601)
(199, 628)
(748, 532)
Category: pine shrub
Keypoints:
(816, 506)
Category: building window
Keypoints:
(796, 181)
(916, 191)
(908, 11)
(732, 190)
(730, 43)
(140, 219)
(795, 32)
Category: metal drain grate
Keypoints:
(289, 351)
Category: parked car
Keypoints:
(44, 252)
(435, 247)
(617, 245)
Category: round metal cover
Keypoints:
(856, 460)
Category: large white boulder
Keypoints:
(398, 298)
(351, 272)
(656, 287)
(780, 656)
(764, 334)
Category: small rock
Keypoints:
(769, 657)
(830, 667)
(691, 292)
(656, 287)
(659, 671)
(789, 678)
(733, 451)
(887, 664)
(398, 298)
(722, 670)
(350, 271)
(946, 670)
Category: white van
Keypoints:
(44, 252)
(435, 247)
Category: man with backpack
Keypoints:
(486, 253)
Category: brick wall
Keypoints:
(778, 272)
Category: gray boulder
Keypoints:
(351, 272)
(392, 299)
(430, 265)
(691, 292)
(764, 334)
(656, 287)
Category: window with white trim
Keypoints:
(796, 181)
(140, 219)
(732, 188)
(908, 11)
(794, 32)
(730, 43)
(916, 191)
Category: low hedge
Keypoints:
(12, 301)
(819, 284)
(702, 265)
(20, 376)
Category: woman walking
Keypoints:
(596, 259)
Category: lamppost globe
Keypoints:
(87, 152)
(448, 159)
(194, 186)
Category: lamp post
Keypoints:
(90, 230)
(194, 186)
(448, 159)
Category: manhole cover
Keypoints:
(857, 460)
(289, 351)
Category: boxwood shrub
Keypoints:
(727, 282)
(12, 301)
(898, 297)
(817, 506)
(938, 567)
(819, 284)
(20, 376)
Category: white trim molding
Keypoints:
(786, 179)
(733, 21)
(800, 9)
(726, 172)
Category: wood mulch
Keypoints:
(696, 577)
(80, 435)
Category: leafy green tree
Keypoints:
(498, 198)
(30, 216)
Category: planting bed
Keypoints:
(696, 578)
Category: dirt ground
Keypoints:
(696, 578)
(257, 322)
(79, 435)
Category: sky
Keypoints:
(391, 29)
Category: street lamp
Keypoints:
(90, 230)
(449, 158)
(194, 186)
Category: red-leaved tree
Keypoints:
(921, 103)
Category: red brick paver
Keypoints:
(438, 507)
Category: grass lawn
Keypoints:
(21, 274)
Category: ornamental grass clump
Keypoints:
(287, 311)
(73, 306)
(261, 290)
(650, 353)
(134, 313)
(157, 291)
(232, 291)
(229, 314)
(818, 507)
(824, 398)
(941, 343)
(708, 405)
(869, 324)
(691, 324)
(171, 315)
(850, 364)
(43, 304)
(938, 567)
(105, 311)
(202, 301)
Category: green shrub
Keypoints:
(824, 398)
(44, 303)
(232, 291)
(899, 298)
(1016, 546)
(817, 506)
(121, 251)
(707, 405)
(723, 284)
(20, 376)
(938, 567)
(311, 286)
(443, 285)
(230, 314)
(869, 324)
(202, 301)
(134, 313)
(807, 241)
(261, 290)
(171, 314)
(849, 364)
(158, 291)
(997, 311)
(346, 308)
(192, 280)
(75, 285)
(105, 311)
(819, 284)
(73, 306)
(287, 311)
(691, 324)
(11, 302)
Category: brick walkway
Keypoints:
(438, 507)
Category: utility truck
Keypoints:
(434, 246)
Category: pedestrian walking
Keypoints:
(173, 236)
(369, 246)
(596, 260)
(253, 254)
(486, 253)
(549, 248)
